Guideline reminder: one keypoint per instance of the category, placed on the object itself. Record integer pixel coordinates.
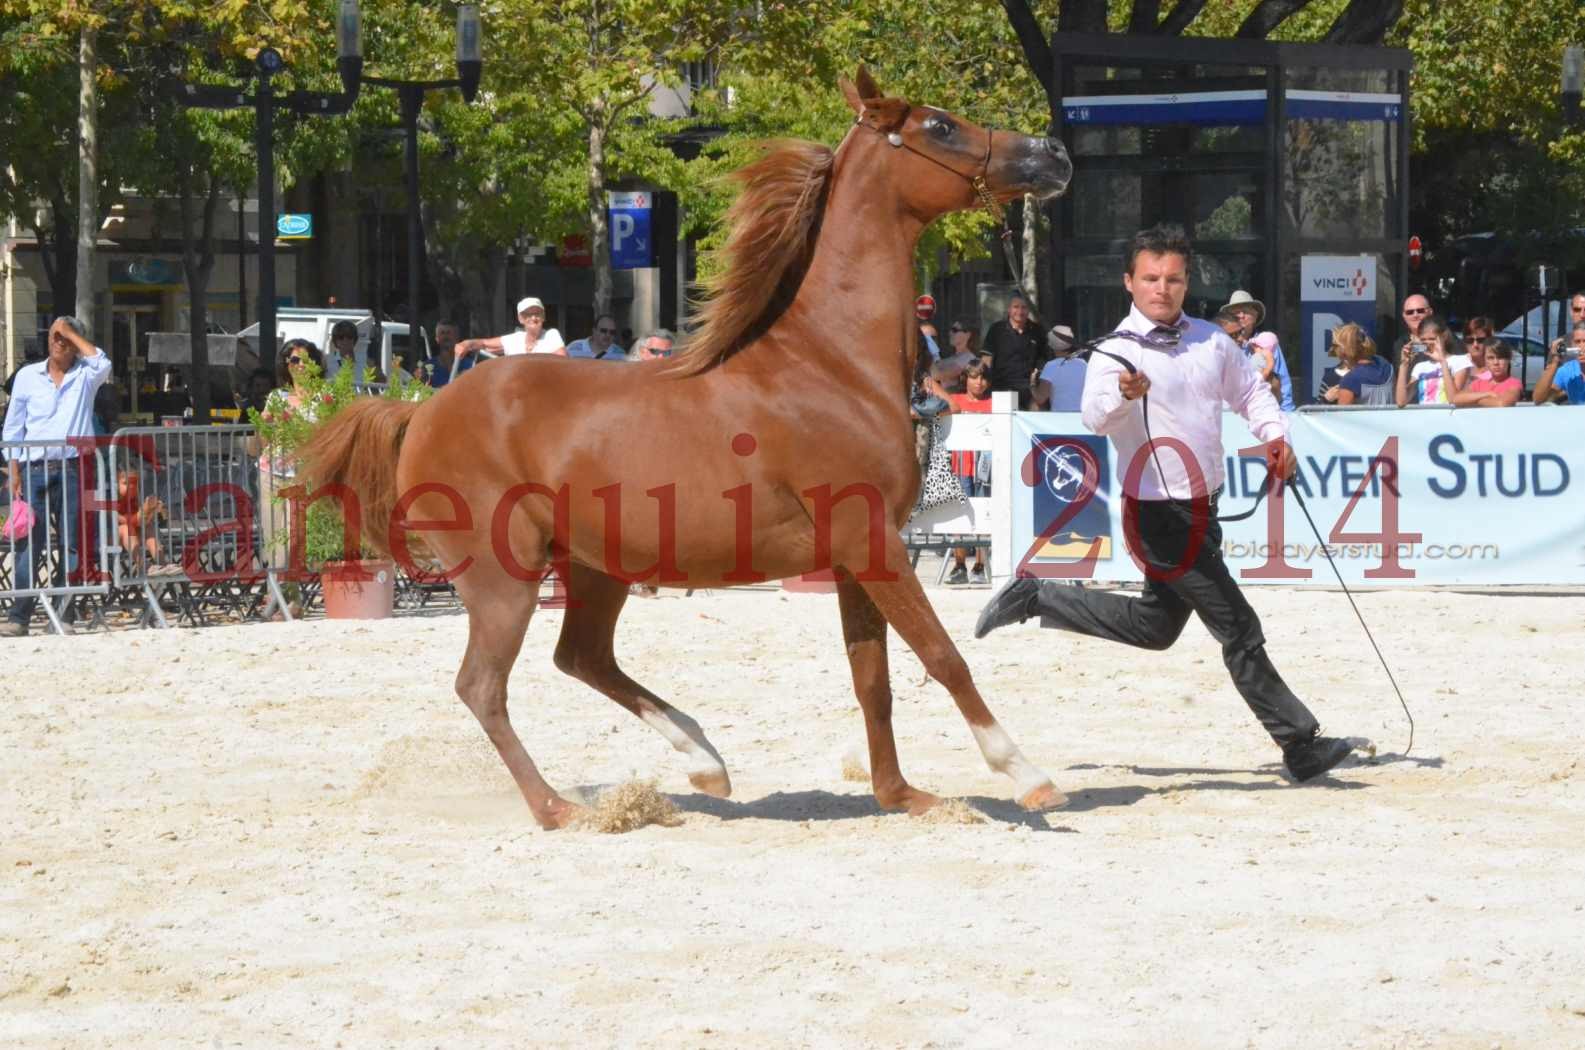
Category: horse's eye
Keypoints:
(940, 128)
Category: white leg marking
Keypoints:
(684, 734)
(1003, 756)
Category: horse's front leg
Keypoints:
(901, 599)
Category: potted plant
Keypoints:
(355, 584)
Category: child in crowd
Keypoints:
(137, 521)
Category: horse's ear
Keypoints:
(851, 93)
(866, 85)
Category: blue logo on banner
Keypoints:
(631, 244)
(1060, 466)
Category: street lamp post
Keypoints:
(470, 65)
(1573, 73)
(266, 64)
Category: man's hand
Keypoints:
(1133, 385)
(463, 348)
(1280, 460)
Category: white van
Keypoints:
(315, 322)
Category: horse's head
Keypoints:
(951, 164)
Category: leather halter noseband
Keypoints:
(981, 189)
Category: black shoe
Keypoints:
(959, 575)
(1311, 758)
(1014, 603)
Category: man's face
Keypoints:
(1416, 308)
(1159, 283)
(1231, 325)
(1018, 313)
(1576, 340)
(1247, 316)
(346, 343)
(446, 336)
(1576, 308)
(61, 352)
(656, 348)
(604, 334)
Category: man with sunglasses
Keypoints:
(601, 343)
(653, 346)
(1416, 308)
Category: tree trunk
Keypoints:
(58, 251)
(198, 262)
(599, 235)
(87, 178)
(1031, 250)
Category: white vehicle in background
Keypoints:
(315, 322)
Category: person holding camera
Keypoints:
(1420, 372)
(1364, 377)
(1562, 379)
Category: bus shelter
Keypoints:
(1287, 164)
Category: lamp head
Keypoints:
(470, 50)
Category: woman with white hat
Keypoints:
(1246, 312)
(534, 338)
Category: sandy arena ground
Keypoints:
(295, 836)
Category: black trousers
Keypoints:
(1154, 619)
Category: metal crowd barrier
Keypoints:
(61, 557)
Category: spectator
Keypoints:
(346, 348)
(1244, 312)
(964, 341)
(929, 338)
(446, 366)
(1420, 373)
(1416, 308)
(928, 400)
(1561, 379)
(1365, 377)
(256, 392)
(972, 468)
(137, 524)
(653, 347)
(51, 401)
(1017, 348)
(601, 343)
(1059, 387)
(534, 338)
(1576, 308)
(1495, 386)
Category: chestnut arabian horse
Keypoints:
(777, 442)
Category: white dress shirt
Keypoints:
(1189, 384)
(41, 411)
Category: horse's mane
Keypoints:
(774, 222)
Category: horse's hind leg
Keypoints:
(902, 601)
(586, 652)
(864, 634)
(498, 616)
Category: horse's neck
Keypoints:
(859, 285)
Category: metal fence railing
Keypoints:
(51, 553)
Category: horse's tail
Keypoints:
(357, 450)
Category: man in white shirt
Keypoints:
(534, 338)
(51, 401)
(1190, 370)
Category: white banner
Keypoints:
(1401, 496)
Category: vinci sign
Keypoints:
(1333, 290)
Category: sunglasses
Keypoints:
(294, 360)
(1415, 310)
(957, 328)
(606, 331)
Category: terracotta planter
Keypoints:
(359, 590)
(822, 582)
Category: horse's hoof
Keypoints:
(912, 801)
(559, 814)
(1043, 798)
(716, 784)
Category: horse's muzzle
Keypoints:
(1042, 165)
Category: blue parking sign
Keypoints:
(631, 244)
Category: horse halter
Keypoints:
(982, 189)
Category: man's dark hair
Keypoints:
(445, 322)
(1161, 239)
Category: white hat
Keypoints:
(1060, 338)
(528, 302)
(1243, 298)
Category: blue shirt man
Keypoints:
(1563, 378)
(52, 403)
